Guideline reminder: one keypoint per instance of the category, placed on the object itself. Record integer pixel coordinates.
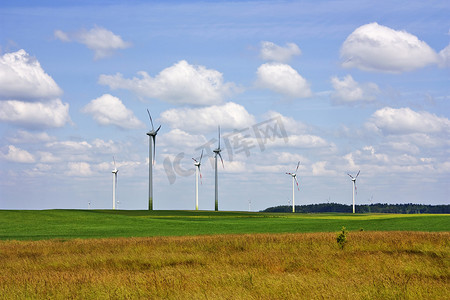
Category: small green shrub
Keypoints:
(341, 238)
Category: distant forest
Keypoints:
(372, 208)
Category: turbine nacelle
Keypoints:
(154, 132)
(115, 171)
(354, 178)
(294, 175)
(198, 163)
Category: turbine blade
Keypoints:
(201, 181)
(220, 155)
(194, 159)
(350, 175)
(297, 166)
(297, 183)
(200, 161)
(357, 174)
(158, 129)
(219, 138)
(114, 162)
(151, 121)
(288, 173)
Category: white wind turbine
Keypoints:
(151, 160)
(115, 171)
(294, 180)
(354, 188)
(217, 153)
(197, 173)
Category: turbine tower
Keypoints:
(294, 180)
(197, 172)
(115, 171)
(354, 188)
(151, 160)
(217, 153)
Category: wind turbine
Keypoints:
(354, 188)
(217, 153)
(115, 171)
(151, 160)
(294, 180)
(197, 172)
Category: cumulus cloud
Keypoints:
(373, 47)
(102, 41)
(109, 110)
(319, 169)
(307, 141)
(349, 91)
(406, 121)
(229, 115)
(179, 138)
(275, 53)
(291, 125)
(22, 78)
(181, 83)
(79, 169)
(444, 56)
(17, 155)
(283, 79)
(22, 136)
(61, 35)
(35, 115)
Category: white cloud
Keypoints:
(291, 125)
(47, 157)
(62, 36)
(52, 113)
(404, 121)
(23, 136)
(181, 83)
(109, 110)
(181, 139)
(349, 91)
(102, 41)
(273, 52)
(289, 158)
(17, 155)
(319, 169)
(444, 56)
(22, 77)
(79, 169)
(373, 47)
(306, 141)
(229, 115)
(283, 79)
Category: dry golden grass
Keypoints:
(373, 265)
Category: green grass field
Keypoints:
(69, 224)
(105, 254)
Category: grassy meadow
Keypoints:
(105, 254)
(68, 224)
(372, 265)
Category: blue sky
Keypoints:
(340, 86)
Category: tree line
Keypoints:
(408, 208)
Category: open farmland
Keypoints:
(61, 254)
(68, 224)
(373, 265)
